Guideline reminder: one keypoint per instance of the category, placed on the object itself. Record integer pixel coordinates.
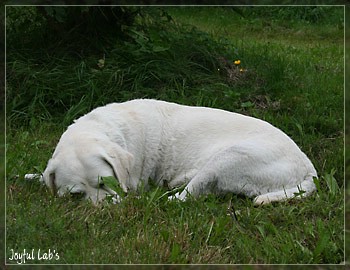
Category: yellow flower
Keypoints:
(237, 62)
(101, 63)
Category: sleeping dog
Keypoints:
(207, 150)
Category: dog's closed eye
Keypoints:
(77, 193)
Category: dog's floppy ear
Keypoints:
(121, 162)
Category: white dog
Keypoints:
(209, 150)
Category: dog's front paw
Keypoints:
(178, 196)
(116, 199)
(173, 197)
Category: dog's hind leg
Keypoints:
(306, 188)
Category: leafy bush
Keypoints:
(78, 28)
(87, 61)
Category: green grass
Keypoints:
(293, 79)
(195, 231)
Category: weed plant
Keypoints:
(290, 76)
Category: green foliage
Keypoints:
(154, 53)
(112, 183)
(77, 28)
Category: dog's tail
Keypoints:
(305, 188)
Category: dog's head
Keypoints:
(79, 162)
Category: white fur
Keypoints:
(210, 150)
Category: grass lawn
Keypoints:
(292, 76)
